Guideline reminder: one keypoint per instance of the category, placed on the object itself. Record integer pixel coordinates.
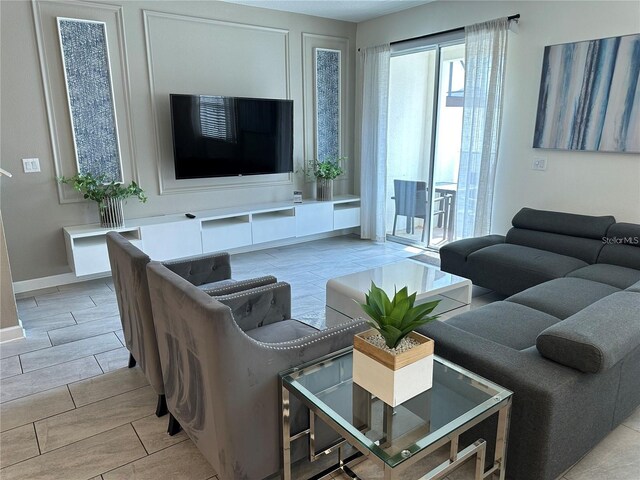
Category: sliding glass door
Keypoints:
(426, 90)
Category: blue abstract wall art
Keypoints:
(327, 103)
(88, 78)
(590, 96)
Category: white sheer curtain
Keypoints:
(373, 149)
(486, 48)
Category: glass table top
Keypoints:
(394, 434)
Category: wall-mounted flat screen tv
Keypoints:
(216, 136)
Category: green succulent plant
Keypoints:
(98, 188)
(396, 318)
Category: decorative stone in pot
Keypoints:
(393, 375)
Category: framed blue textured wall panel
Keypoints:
(590, 96)
(328, 100)
(87, 74)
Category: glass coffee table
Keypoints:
(394, 438)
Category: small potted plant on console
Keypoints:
(326, 171)
(391, 360)
(108, 195)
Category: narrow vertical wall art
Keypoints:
(328, 93)
(85, 58)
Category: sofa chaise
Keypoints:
(567, 340)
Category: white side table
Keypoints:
(344, 293)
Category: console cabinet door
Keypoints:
(167, 241)
(314, 218)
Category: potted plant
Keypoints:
(391, 360)
(325, 172)
(108, 194)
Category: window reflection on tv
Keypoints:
(216, 136)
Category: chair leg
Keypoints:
(161, 408)
(395, 219)
(424, 228)
(132, 361)
(174, 426)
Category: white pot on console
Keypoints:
(394, 379)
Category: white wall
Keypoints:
(580, 182)
(32, 212)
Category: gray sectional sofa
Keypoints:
(567, 340)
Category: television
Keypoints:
(215, 136)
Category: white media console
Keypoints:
(173, 236)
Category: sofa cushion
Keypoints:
(284, 331)
(563, 297)
(506, 323)
(614, 275)
(634, 288)
(585, 226)
(597, 337)
(509, 269)
(622, 246)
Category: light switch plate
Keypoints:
(539, 163)
(31, 165)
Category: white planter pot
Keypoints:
(394, 379)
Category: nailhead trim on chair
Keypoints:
(321, 335)
(254, 281)
(247, 293)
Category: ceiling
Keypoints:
(346, 10)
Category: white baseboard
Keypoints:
(53, 281)
(12, 333)
(67, 278)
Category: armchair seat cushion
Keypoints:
(614, 275)
(509, 269)
(284, 331)
(509, 324)
(563, 297)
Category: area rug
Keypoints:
(429, 259)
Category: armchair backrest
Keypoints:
(220, 384)
(128, 268)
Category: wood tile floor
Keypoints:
(70, 409)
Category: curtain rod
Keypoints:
(515, 17)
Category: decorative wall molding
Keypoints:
(166, 175)
(59, 121)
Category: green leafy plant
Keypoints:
(98, 188)
(396, 318)
(329, 168)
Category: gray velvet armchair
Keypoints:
(220, 359)
(211, 273)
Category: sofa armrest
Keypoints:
(453, 256)
(259, 306)
(467, 246)
(240, 285)
(201, 269)
(597, 337)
